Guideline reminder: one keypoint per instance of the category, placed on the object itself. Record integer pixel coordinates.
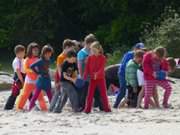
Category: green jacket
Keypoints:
(131, 73)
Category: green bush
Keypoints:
(116, 56)
(167, 34)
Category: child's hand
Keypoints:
(73, 80)
(57, 85)
(95, 76)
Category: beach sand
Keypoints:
(120, 122)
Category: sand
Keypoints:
(120, 122)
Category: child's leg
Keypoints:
(140, 97)
(167, 87)
(122, 92)
(73, 97)
(156, 98)
(149, 87)
(61, 100)
(103, 90)
(24, 95)
(84, 95)
(54, 100)
(34, 98)
(89, 99)
(49, 95)
(42, 102)
(12, 98)
(97, 99)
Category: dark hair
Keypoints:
(71, 54)
(171, 62)
(160, 52)
(19, 48)
(30, 47)
(90, 39)
(68, 43)
(139, 54)
(46, 49)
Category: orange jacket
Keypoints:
(27, 63)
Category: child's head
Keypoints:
(33, 50)
(89, 39)
(47, 52)
(160, 53)
(138, 46)
(19, 50)
(71, 56)
(171, 64)
(68, 45)
(138, 56)
(96, 48)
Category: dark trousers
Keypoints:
(122, 91)
(132, 96)
(15, 90)
(68, 91)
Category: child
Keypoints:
(81, 60)
(121, 73)
(155, 69)
(95, 69)
(41, 68)
(30, 79)
(140, 77)
(18, 76)
(131, 78)
(68, 45)
(68, 77)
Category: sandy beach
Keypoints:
(120, 122)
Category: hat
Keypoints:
(139, 46)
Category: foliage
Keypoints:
(167, 34)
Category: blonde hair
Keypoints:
(98, 46)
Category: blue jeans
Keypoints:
(122, 91)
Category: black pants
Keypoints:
(132, 96)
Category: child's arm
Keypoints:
(67, 77)
(100, 72)
(26, 67)
(35, 67)
(86, 71)
(80, 68)
(19, 75)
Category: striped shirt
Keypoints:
(131, 73)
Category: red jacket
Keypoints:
(95, 65)
(148, 66)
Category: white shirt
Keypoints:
(18, 64)
(140, 77)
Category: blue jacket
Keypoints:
(122, 68)
(41, 67)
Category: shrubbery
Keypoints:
(167, 34)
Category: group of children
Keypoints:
(140, 72)
(80, 77)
